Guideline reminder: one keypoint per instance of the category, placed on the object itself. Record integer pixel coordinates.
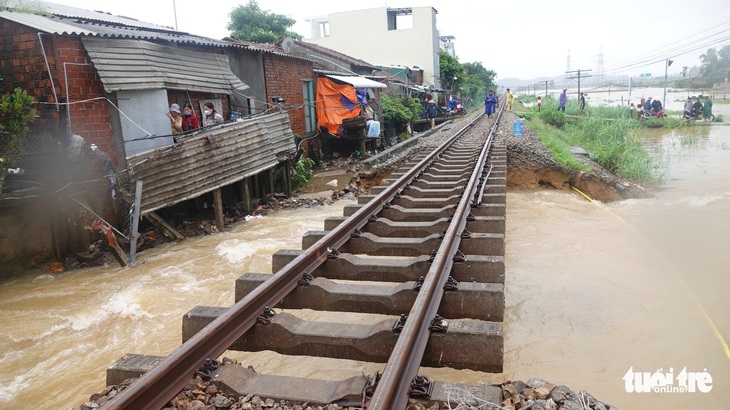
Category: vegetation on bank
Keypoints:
(610, 134)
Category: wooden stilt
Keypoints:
(287, 177)
(166, 229)
(220, 221)
(270, 177)
(245, 194)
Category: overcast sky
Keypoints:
(515, 38)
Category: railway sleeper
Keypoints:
(482, 301)
(367, 243)
(408, 201)
(475, 268)
(239, 380)
(492, 205)
(384, 227)
(473, 345)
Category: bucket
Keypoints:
(517, 129)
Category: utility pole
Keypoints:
(578, 76)
(174, 11)
(667, 63)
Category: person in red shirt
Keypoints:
(190, 121)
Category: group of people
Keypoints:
(694, 108)
(186, 120)
(652, 105)
(563, 101)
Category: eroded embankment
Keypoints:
(530, 165)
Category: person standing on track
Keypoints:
(583, 103)
(510, 99)
(490, 102)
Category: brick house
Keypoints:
(110, 80)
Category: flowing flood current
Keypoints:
(593, 290)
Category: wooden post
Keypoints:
(245, 194)
(363, 148)
(218, 208)
(166, 229)
(256, 186)
(270, 177)
(287, 177)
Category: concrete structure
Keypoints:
(393, 36)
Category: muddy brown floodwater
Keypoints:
(593, 290)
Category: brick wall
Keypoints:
(283, 78)
(22, 65)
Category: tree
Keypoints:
(479, 81)
(250, 23)
(452, 72)
(715, 65)
(685, 70)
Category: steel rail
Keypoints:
(156, 387)
(392, 389)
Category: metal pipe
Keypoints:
(48, 67)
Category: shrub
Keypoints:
(302, 172)
(553, 117)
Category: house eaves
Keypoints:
(335, 54)
(142, 65)
(45, 24)
(210, 159)
(99, 16)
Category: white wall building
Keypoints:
(384, 36)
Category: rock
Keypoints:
(599, 406)
(541, 405)
(332, 183)
(535, 383)
(221, 402)
(256, 401)
(269, 403)
(195, 405)
(561, 393)
(510, 391)
(211, 390)
(570, 404)
(528, 393)
(543, 392)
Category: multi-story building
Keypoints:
(384, 36)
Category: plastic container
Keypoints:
(517, 129)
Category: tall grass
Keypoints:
(609, 133)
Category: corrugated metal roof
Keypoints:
(196, 166)
(334, 54)
(68, 11)
(127, 32)
(45, 24)
(142, 65)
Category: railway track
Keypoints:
(426, 248)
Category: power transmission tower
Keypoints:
(600, 73)
(578, 76)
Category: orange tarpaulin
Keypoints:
(330, 110)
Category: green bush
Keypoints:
(16, 111)
(553, 117)
(400, 110)
(302, 172)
